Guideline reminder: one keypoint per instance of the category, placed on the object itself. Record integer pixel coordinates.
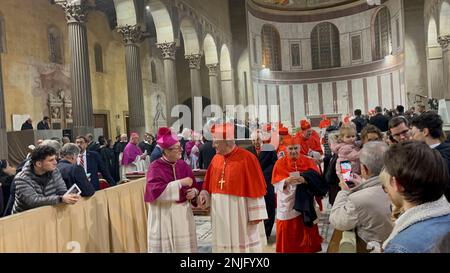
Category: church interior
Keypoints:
(112, 67)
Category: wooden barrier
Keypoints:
(112, 221)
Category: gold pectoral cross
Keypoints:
(221, 182)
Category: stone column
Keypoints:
(214, 83)
(170, 78)
(132, 36)
(83, 114)
(196, 90)
(444, 41)
(3, 140)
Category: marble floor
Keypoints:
(204, 232)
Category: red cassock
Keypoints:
(292, 235)
(313, 143)
(324, 123)
(243, 175)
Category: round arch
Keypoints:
(191, 43)
(225, 59)
(444, 19)
(162, 20)
(432, 33)
(210, 50)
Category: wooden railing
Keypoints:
(112, 221)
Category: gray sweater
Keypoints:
(34, 191)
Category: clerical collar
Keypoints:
(167, 161)
(232, 152)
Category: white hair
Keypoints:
(372, 155)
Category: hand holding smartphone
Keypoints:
(347, 173)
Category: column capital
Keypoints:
(444, 41)
(131, 34)
(194, 61)
(168, 50)
(213, 69)
(76, 11)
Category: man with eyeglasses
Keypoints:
(399, 129)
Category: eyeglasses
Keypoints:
(178, 148)
(295, 148)
(404, 133)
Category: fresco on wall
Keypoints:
(51, 83)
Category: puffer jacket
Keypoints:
(34, 191)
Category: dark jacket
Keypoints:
(360, 123)
(304, 196)
(267, 159)
(43, 125)
(118, 148)
(5, 181)
(26, 126)
(206, 154)
(107, 156)
(94, 146)
(96, 165)
(34, 191)
(156, 154)
(381, 122)
(144, 146)
(74, 174)
(444, 150)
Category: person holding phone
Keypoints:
(347, 150)
(364, 207)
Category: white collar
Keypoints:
(434, 146)
(417, 214)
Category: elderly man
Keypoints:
(428, 128)
(297, 181)
(310, 141)
(235, 185)
(133, 160)
(365, 207)
(267, 158)
(73, 173)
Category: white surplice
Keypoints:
(171, 225)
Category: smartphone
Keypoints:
(347, 173)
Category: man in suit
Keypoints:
(267, 157)
(92, 146)
(379, 120)
(92, 164)
(44, 124)
(73, 173)
(27, 125)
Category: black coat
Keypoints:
(26, 126)
(305, 193)
(381, 122)
(74, 174)
(96, 165)
(147, 147)
(444, 150)
(206, 154)
(360, 123)
(43, 125)
(267, 159)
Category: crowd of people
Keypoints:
(386, 176)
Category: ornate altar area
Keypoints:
(60, 108)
